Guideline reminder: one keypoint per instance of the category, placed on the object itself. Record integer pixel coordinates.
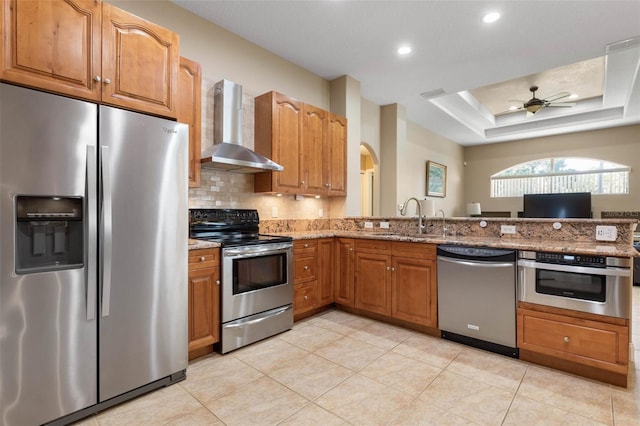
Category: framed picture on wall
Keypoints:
(436, 179)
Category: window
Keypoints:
(560, 175)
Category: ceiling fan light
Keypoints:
(533, 108)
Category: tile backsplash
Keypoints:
(220, 189)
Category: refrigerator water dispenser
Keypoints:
(49, 233)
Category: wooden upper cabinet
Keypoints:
(90, 50)
(309, 142)
(52, 45)
(140, 62)
(278, 135)
(315, 135)
(335, 167)
(189, 111)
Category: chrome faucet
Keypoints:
(444, 225)
(403, 212)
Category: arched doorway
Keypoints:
(369, 182)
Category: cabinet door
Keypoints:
(335, 168)
(413, 289)
(315, 135)
(344, 271)
(204, 307)
(188, 111)
(140, 62)
(372, 286)
(52, 45)
(325, 271)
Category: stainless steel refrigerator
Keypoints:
(93, 255)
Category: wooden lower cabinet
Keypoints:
(414, 283)
(313, 280)
(585, 344)
(204, 301)
(398, 280)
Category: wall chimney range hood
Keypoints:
(227, 152)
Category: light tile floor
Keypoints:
(339, 369)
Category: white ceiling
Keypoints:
(476, 65)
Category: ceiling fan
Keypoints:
(534, 104)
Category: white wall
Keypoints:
(618, 144)
(421, 146)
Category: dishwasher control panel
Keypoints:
(467, 252)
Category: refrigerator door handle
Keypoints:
(92, 249)
(106, 231)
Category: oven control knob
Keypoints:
(566, 339)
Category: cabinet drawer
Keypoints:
(305, 246)
(305, 296)
(374, 246)
(414, 250)
(305, 268)
(204, 258)
(589, 342)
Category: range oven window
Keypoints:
(571, 284)
(256, 273)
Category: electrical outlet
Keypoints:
(368, 225)
(606, 233)
(320, 212)
(507, 229)
(274, 212)
(384, 225)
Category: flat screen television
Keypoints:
(570, 205)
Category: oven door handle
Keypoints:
(609, 271)
(262, 317)
(241, 253)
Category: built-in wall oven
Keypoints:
(256, 275)
(595, 284)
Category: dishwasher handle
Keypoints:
(476, 263)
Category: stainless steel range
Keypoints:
(256, 271)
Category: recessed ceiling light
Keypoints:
(491, 17)
(404, 50)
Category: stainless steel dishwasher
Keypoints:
(477, 297)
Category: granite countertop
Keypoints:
(591, 248)
(198, 244)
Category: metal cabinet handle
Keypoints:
(306, 245)
(301, 182)
(388, 268)
(97, 79)
(393, 269)
(306, 267)
(306, 297)
(566, 339)
(107, 81)
(350, 249)
(217, 282)
(202, 258)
